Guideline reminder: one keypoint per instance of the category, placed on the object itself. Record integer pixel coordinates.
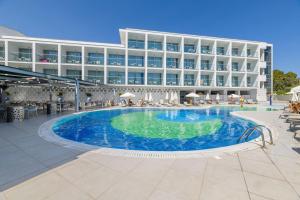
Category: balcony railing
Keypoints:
(136, 44)
(172, 81)
(152, 45)
(172, 64)
(135, 62)
(74, 76)
(71, 59)
(116, 61)
(116, 79)
(154, 81)
(2, 55)
(205, 66)
(205, 50)
(252, 84)
(47, 58)
(22, 57)
(172, 47)
(205, 82)
(252, 55)
(189, 64)
(135, 81)
(189, 82)
(154, 63)
(220, 83)
(95, 79)
(221, 68)
(235, 83)
(94, 60)
(189, 49)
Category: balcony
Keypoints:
(190, 82)
(189, 64)
(172, 81)
(172, 63)
(72, 57)
(95, 59)
(173, 47)
(221, 67)
(135, 81)
(154, 81)
(220, 83)
(205, 66)
(95, 79)
(53, 72)
(206, 50)
(136, 44)
(155, 62)
(2, 53)
(116, 60)
(235, 82)
(20, 56)
(220, 50)
(136, 61)
(205, 80)
(252, 53)
(235, 67)
(189, 48)
(47, 57)
(116, 80)
(153, 45)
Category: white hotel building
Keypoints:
(150, 61)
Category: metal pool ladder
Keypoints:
(248, 132)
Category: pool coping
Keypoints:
(45, 131)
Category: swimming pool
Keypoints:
(155, 129)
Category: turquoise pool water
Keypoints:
(154, 129)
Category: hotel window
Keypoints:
(221, 66)
(172, 79)
(172, 62)
(235, 81)
(95, 59)
(235, 51)
(205, 49)
(172, 47)
(189, 63)
(154, 79)
(25, 55)
(96, 76)
(116, 59)
(189, 48)
(73, 57)
(220, 80)
(249, 67)
(115, 77)
(2, 53)
(249, 82)
(249, 52)
(154, 62)
(205, 80)
(205, 64)
(49, 56)
(220, 50)
(50, 71)
(76, 74)
(189, 79)
(135, 78)
(235, 66)
(136, 44)
(153, 45)
(136, 61)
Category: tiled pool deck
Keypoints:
(32, 168)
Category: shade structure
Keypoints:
(192, 95)
(150, 97)
(218, 97)
(207, 97)
(295, 97)
(167, 96)
(295, 89)
(127, 95)
(234, 96)
(146, 97)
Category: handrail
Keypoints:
(259, 128)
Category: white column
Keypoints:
(126, 58)
(198, 63)
(181, 83)
(33, 56)
(6, 52)
(164, 61)
(105, 74)
(82, 63)
(59, 60)
(146, 60)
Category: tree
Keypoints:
(282, 83)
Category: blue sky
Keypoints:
(274, 21)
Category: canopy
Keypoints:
(127, 95)
(207, 97)
(192, 95)
(295, 89)
(218, 97)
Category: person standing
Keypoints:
(242, 101)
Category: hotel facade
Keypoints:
(146, 61)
